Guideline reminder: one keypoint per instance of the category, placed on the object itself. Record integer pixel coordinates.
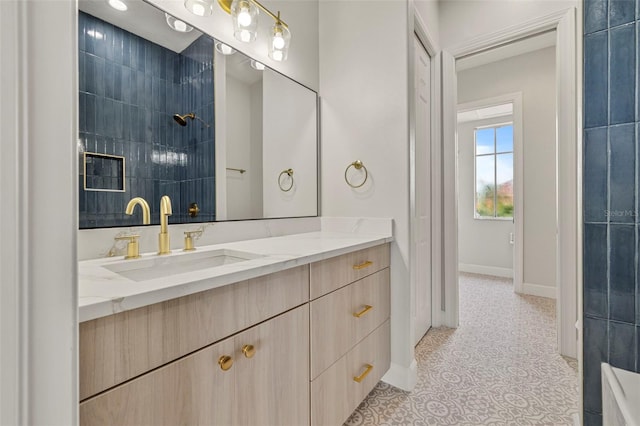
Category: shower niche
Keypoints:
(147, 96)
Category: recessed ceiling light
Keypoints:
(118, 5)
(224, 49)
(177, 25)
(257, 65)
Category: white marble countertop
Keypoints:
(103, 292)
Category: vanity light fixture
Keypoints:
(118, 5)
(199, 7)
(257, 65)
(244, 14)
(280, 39)
(177, 25)
(224, 49)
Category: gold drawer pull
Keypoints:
(363, 265)
(366, 372)
(366, 309)
(225, 362)
(249, 351)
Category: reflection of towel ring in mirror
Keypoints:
(358, 166)
(288, 172)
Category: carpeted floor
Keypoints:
(500, 367)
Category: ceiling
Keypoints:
(239, 67)
(526, 45)
(143, 20)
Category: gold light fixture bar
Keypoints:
(226, 6)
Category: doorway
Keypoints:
(567, 130)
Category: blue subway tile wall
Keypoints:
(610, 203)
(130, 88)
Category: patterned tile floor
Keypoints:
(499, 367)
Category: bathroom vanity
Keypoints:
(274, 339)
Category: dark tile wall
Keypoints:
(129, 90)
(611, 222)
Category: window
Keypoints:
(494, 172)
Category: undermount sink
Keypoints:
(161, 266)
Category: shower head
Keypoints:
(182, 119)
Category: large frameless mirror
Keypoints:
(163, 112)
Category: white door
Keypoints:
(422, 235)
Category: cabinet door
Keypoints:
(191, 391)
(272, 387)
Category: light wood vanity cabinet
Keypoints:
(341, 319)
(195, 390)
(119, 347)
(350, 337)
(294, 342)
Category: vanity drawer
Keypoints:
(122, 346)
(341, 319)
(267, 384)
(336, 393)
(331, 274)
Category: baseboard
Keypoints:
(539, 290)
(576, 419)
(486, 270)
(402, 377)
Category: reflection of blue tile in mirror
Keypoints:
(485, 141)
(129, 90)
(504, 139)
(103, 172)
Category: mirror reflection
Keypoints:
(148, 125)
(269, 149)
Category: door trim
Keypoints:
(569, 264)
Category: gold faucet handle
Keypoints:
(188, 240)
(133, 247)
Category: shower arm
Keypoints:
(201, 120)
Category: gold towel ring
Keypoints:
(288, 172)
(358, 166)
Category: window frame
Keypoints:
(495, 153)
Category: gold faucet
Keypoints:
(146, 215)
(164, 243)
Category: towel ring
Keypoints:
(288, 172)
(358, 166)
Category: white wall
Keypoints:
(289, 127)
(364, 93)
(429, 13)
(38, 215)
(483, 245)
(301, 17)
(243, 112)
(255, 156)
(533, 74)
(462, 20)
(238, 148)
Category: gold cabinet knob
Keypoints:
(225, 362)
(249, 351)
